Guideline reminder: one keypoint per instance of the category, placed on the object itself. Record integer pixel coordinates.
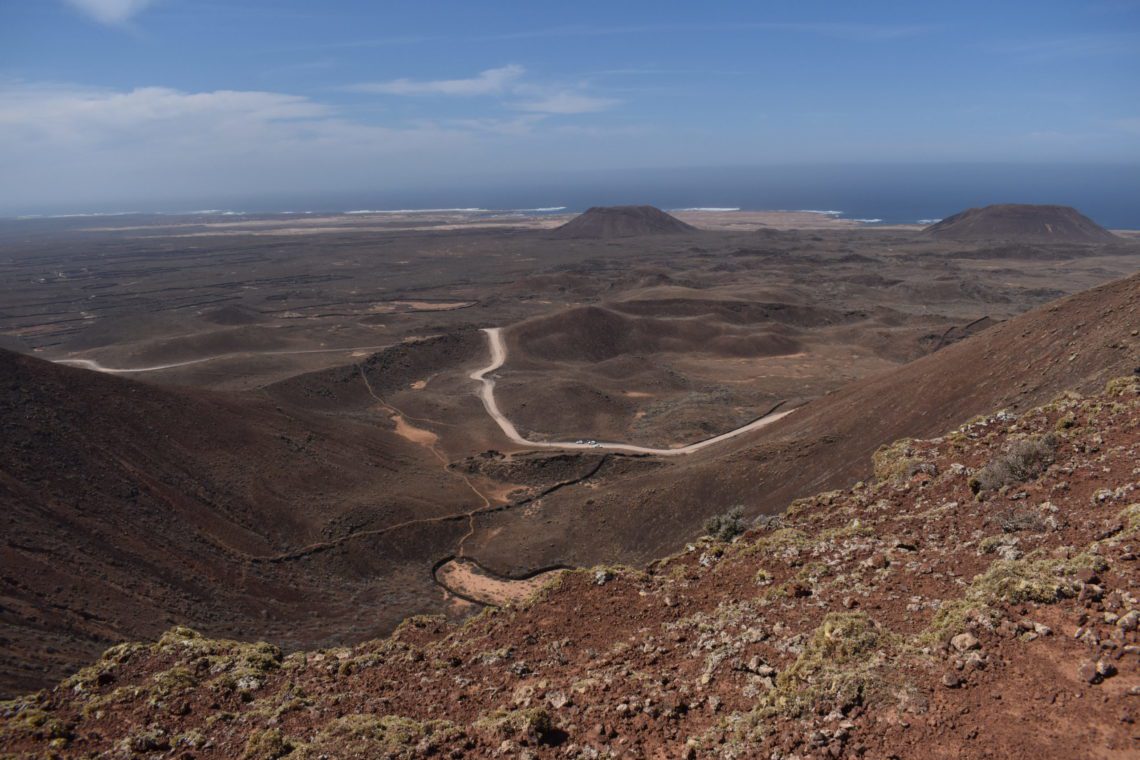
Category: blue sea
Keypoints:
(890, 194)
(894, 194)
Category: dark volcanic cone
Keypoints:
(605, 222)
(1021, 222)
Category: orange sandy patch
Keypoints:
(754, 220)
(434, 305)
(412, 433)
(462, 576)
(419, 385)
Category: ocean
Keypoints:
(886, 193)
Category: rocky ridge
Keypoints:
(977, 598)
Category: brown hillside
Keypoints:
(593, 334)
(1023, 223)
(976, 600)
(232, 315)
(604, 222)
(127, 506)
(1078, 342)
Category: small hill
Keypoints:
(607, 222)
(1022, 223)
(128, 507)
(595, 334)
(977, 597)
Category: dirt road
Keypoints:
(487, 394)
(95, 365)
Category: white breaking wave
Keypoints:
(544, 209)
(708, 208)
(816, 211)
(418, 211)
(869, 221)
(78, 216)
(929, 221)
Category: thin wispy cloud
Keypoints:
(372, 42)
(838, 30)
(100, 141)
(488, 82)
(506, 83)
(565, 103)
(60, 114)
(110, 11)
(322, 95)
(1073, 46)
(666, 72)
(849, 31)
(1129, 125)
(517, 126)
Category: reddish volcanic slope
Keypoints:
(1021, 222)
(977, 598)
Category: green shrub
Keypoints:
(727, 526)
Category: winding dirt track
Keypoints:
(93, 364)
(487, 394)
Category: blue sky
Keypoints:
(106, 102)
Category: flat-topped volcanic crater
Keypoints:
(1023, 222)
(605, 222)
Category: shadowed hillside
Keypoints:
(130, 507)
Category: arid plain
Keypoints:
(284, 440)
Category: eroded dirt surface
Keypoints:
(464, 578)
(978, 598)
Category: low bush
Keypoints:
(727, 526)
(835, 669)
(1021, 460)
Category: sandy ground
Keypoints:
(391, 306)
(425, 221)
(745, 221)
(465, 578)
(316, 224)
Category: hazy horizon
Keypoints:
(124, 104)
(891, 194)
